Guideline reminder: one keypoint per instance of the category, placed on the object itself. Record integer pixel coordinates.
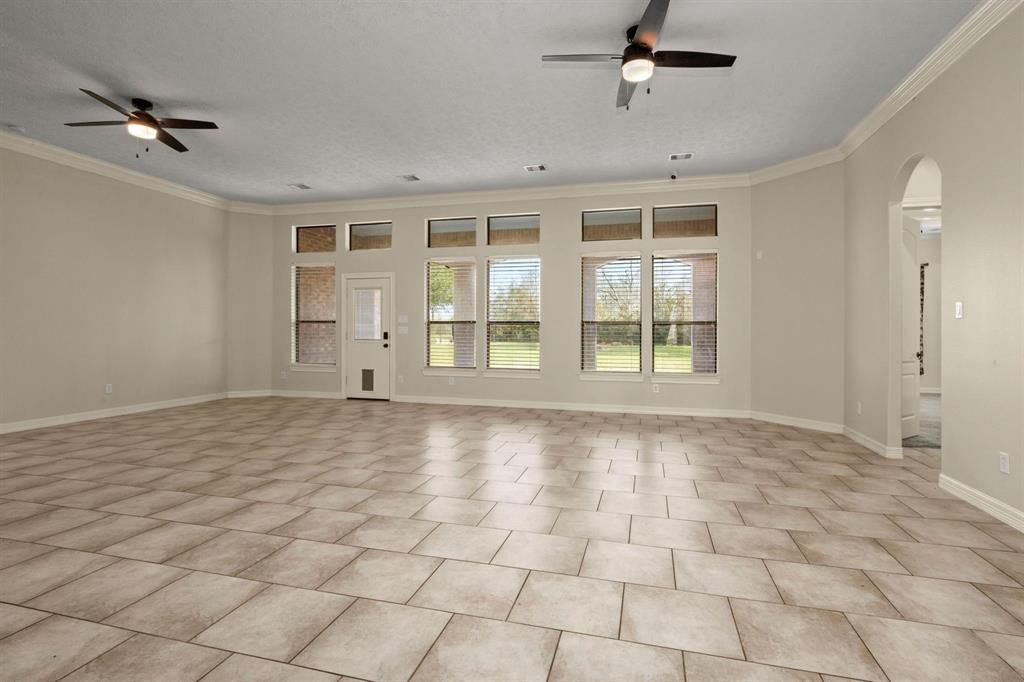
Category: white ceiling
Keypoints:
(345, 96)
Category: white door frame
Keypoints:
(345, 278)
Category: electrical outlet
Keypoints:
(1004, 462)
(284, 374)
(451, 381)
(656, 388)
(860, 408)
(108, 389)
(401, 379)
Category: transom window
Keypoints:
(686, 221)
(451, 232)
(611, 224)
(316, 239)
(513, 229)
(362, 236)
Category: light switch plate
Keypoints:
(958, 310)
(1004, 463)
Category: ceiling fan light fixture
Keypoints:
(142, 131)
(637, 64)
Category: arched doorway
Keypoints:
(915, 221)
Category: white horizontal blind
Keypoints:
(314, 315)
(451, 313)
(513, 313)
(610, 335)
(685, 328)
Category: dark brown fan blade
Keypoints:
(649, 28)
(185, 123)
(626, 90)
(96, 123)
(581, 58)
(116, 107)
(170, 140)
(692, 60)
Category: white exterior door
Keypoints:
(910, 377)
(368, 338)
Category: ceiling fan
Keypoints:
(639, 58)
(140, 123)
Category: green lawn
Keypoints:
(610, 357)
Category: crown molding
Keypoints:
(967, 33)
(49, 152)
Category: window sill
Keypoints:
(611, 376)
(449, 372)
(330, 369)
(685, 379)
(512, 373)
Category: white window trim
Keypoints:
(686, 378)
(307, 366)
(512, 373)
(450, 372)
(301, 367)
(599, 375)
(704, 377)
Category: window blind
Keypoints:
(451, 314)
(610, 334)
(314, 315)
(685, 326)
(513, 313)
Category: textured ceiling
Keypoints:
(345, 96)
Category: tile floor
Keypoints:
(291, 539)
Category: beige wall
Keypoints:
(104, 282)
(971, 121)
(796, 320)
(250, 267)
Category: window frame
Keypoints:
(688, 377)
(295, 238)
(602, 374)
(654, 212)
(495, 371)
(583, 226)
(476, 231)
(444, 369)
(514, 215)
(293, 362)
(348, 234)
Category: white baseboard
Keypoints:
(930, 391)
(59, 420)
(330, 395)
(1009, 515)
(873, 445)
(799, 422)
(250, 394)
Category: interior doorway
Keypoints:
(921, 308)
(368, 340)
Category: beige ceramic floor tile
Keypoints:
(679, 620)
(149, 503)
(450, 487)
(943, 532)
(846, 551)
(1010, 598)
(593, 525)
(471, 589)
(144, 657)
(805, 639)
(1010, 563)
(14, 618)
(945, 602)
(48, 523)
(943, 561)
(275, 624)
(760, 543)
(94, 536)
(187, 607)
(382, 532)
(506, 491)
(388, 576)
(633, 503)
(1010, 648)
(302, 564)
(671, 533)
(260, 517)
(229, 553)
(732, 492)
(826, 587)
(239, 667)
(797, 497)
(375, 641)
(568, 498)
(321, 525)
(202, 509)
(54, 647)
(721, 574)
(581, 657)
(719, 511)
(33, 577)
(526, 517)
(1010, 537)
(101, 593)
(924, 653)
(563, 602)
(859, 524)
(778, 516)
(401, 505)
(628, 563)
(702, 668)
(14, 552)
(453, 510)
(481, 649)
(467, 543)
(537, 552)
(161, 543)
(339, 498)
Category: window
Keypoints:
(451, 314)
(614, 224)
(686, 221)
(369, 236)
(685, 330)
(367, 314)
(513, 313)
(314, 315)
(315, 239)
(513, 229)
(611, 314)
(451, 232)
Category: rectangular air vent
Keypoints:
(410, 177)
(299, 185)
(682, 156)
(536, 168)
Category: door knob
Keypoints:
(385, 345)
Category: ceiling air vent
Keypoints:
(682, 156)
(410, 177)
(536, 168)
(299, 185)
